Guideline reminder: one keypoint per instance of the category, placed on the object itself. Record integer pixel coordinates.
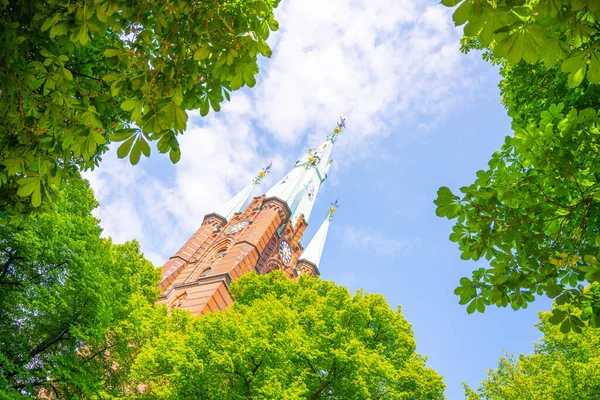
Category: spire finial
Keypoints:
(337, 130)
(262, 174)
(332, 209)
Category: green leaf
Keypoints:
(48, 22)
(448, 204)
(112, 52)
(594, 71)
(450, 3)
(576, 64)
(557, 316)
(82, 35)
(462, 13)
(204, 107)
(215, 104)
(136, 151)
(175, 155)
(565, 327)
(554, 50)
(177, 96)
(554, 290)
(202, 53)
(124, 148)
(590, 259)
(524, 43)
(480, 305)
(36, 196)
(122, 134)
(179, 118)
(67, 74)
(98, 137)
(60, 29)
(237, 81)
(576, 77)
(273, 24)
(110, 77)
(144, 146)
(28, 185)
(472, 306)
(163, 144)
(129, 104)
(593, 276)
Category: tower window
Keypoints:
(178, 301)
(205, 272)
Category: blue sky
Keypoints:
(420, 115)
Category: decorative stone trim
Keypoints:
(306, 267)
(220, 277)
(278, 205)
(215, 220)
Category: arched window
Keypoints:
(222, 247)
(178, 301)
(205, 272)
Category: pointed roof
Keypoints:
(314, 250)
(238, 201)
(300, 186)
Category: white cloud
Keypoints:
(377, 62)
(387, 66)
(376, 243)
(161, 213)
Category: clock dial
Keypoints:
(285, 251)
(237, 227)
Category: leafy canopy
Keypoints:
(286, 340)
(550, 31)
(563, 366)
(534, 213)
(75, 76)
(70, 303)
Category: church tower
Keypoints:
(263, 237)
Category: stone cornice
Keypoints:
(309, 264)
(216, 216)
(283, 204)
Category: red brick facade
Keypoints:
(198, 276)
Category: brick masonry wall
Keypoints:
(198, 276)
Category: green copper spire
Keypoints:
(314, 250)
(300, 186)
(237, 203)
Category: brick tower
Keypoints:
(263, 237)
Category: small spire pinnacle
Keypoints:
(337, 130)
(332, 210)
(258, 178)
(314, 250)
(237, 203)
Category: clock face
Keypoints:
(237, 227)
(285, 251)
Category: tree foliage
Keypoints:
(563, 366)
(70, 302)
(75, 76)
(550, 31)
(534, 213)
(286, 340)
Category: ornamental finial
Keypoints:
(337, 130)
(262, 173)
(333, 209)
